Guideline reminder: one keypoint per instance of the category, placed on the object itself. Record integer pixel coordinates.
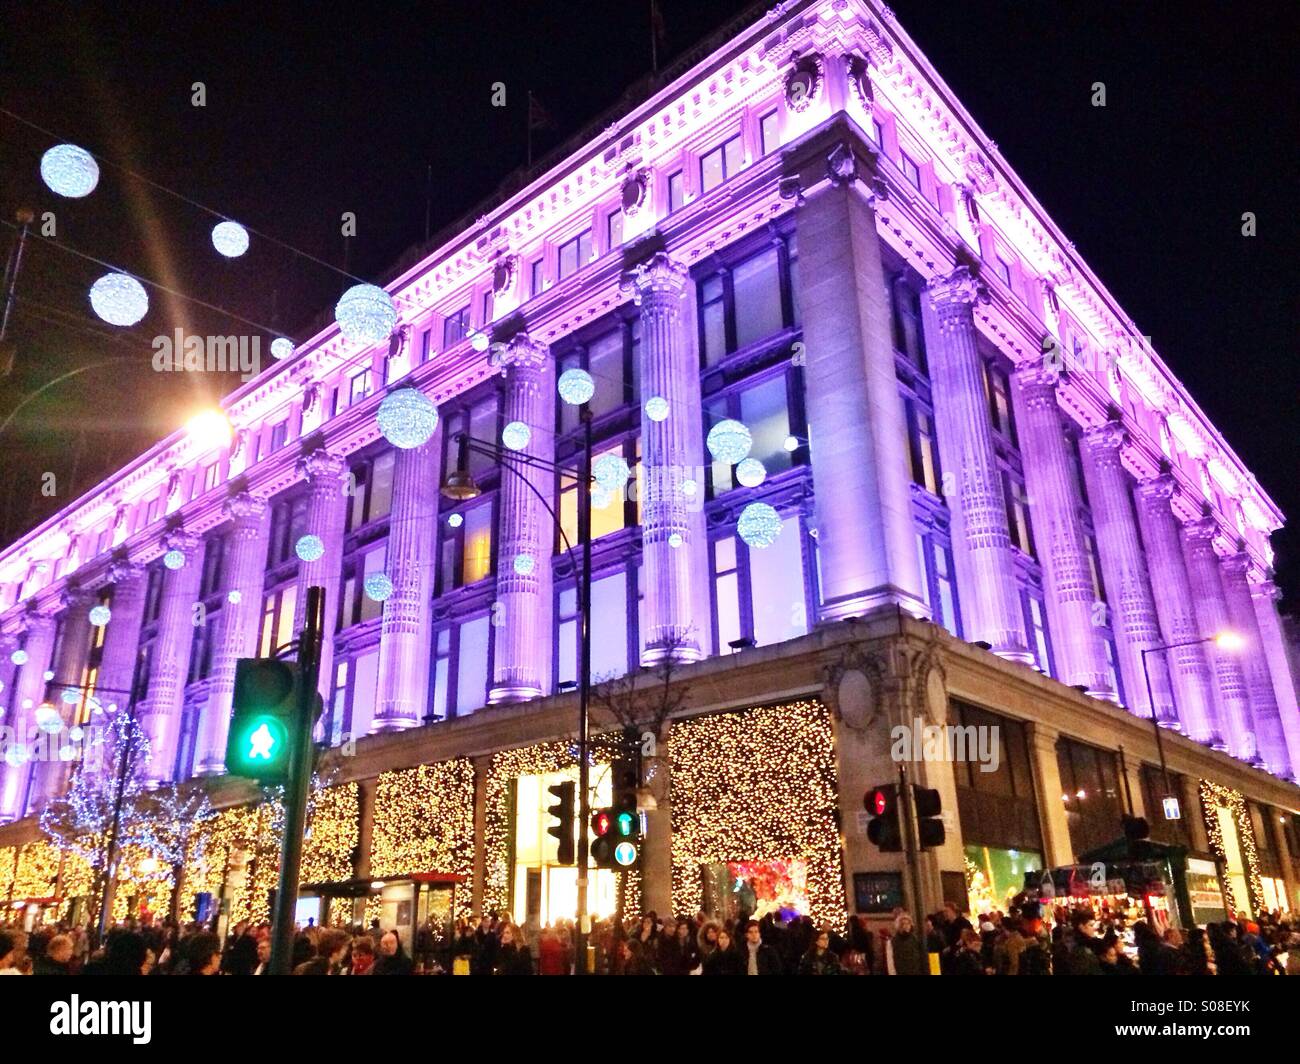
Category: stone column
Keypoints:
(28, 693)
(160, 713)
(1063, 553)
(1265, 595)
(526, 531)
(856, 424)
(326, 514)
(8, 671)
(1189, 672)
(478, 881)
(1264, 712)
(1057, 848)
(70, 658)
(242, 569)
(403, 694)
(1212, 617)
(671, 453)
(981, 536)
(121, 652)
(1123, 567)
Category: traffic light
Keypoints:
(884, 829)
(929, 807)
(602, 838)
(562, 829)
(265, 704)
(625, 825)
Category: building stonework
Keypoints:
(971, 492)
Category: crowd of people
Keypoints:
(1025, 940)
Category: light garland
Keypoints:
(1213, 795)
(757, 785)
(36, 874)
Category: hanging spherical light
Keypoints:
(407, 418)
(576, 386)
(75, 734)
(759, 525)
(70, 696)
(378, 587)
(524, 564)
(16, 755)
(516, 435)
(751, 473)
(230, 239)
(234, 596)
(601, 498)
(281, 348)
(309, 548)
(174, 559)
(455, 520)
(100, 615)
(19, 657)
(729, 441)
(610, 472)
(49, 675)
(366, 314)
(69, 171)
(48, 719)
(656, 408)
(119, 299)
(479, 340)
(675, 540)
(689, 488)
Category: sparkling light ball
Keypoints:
(656, 408)
(610, 471)
(759, 525)
(230, 239)
(70, 696)
(576, 386)
(690, 488)
(119, 299)
(479, 340)
(366, 314)
(729, 441)
(19, 657)
(100, 615)
(174, 559)
(751, 472)
(675, 540)
(378, 586)
(48, 719)
(524, 564)
(27, 703)
(407, 418)
(456, 520)
(309, 547)
(49, 675)
(516, 435)
(281, 348)
(16, 755)
(601, 497)
(75, 734)
(67, 753)
(69, 171)
(234, 596)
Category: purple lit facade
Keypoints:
(805, 232)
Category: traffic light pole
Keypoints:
(912, 852)
(295, 791)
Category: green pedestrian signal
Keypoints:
(259, 743)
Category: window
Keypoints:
(372, 490)
(1036, 622)
(466, 551)
(763, 406)
(355, 606)
(277, 619)
(1090, 794)
(151, 511)
(610, 511)
(575, 254)
(909, 335)
(609, 638)
(911, 171)
(676, 191)
(744, 304)
(1017, 512)
(358, 386)
(211, 476)
(876, 133)
(426, 341)
(724, 161)
(455, 328)
(921, 447)
(614, 230)
(759, 593)
(769, 132)
(998, 391)
(288, 523)
(279, 434)
(1002, 269)
(613, 360)
(461, 667)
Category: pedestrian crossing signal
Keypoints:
(265, 703)
(884, 830)
(562, 813)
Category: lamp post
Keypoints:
(460, 485)
(1227, 640)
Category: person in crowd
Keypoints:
(759, 957)
(722, 959)
(123, 954)
(362, 960)
(512, 956)
(677, 955)
(1112, 958)
(905, 954)
(8, 953)
(56, 958)
(550, 954)
(392, 959)
(707, 939)
(331, 950)
(263, 966)
(966, 958)
(819, 960)
(203, 953)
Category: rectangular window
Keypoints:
(1018, 513)
(566, 636)
(365, 685)
(1038, 628)
(358, 386)
(279, 435)
(724, 161)
(441, 673)
(676, 192)
(726, 593)
(995, 381)
(777, 587)
(151, 512)
(537, 273)
(426, 341)
(455, 328)
(713, 319)
(1002, 269)
(210, 476)
(765, 411)
(909, 336)
(605, 364)
(575, 254)
(609, 636)
(921, 450)
(756, 293)
(769, 132)
(614, 230)
(472, 665)
(911, 171)
(476, 558)
(876, 132)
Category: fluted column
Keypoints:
(28, 692)
(69, 671)
(122, 638)
(1264, 712)
(856, 424)
(526, 531)
(981, 536)
(161, 709)
(326, 514)
(1062, 551)
(1128, 586)
(671, 453)
(1189, 670)
(1212, 617)
(404, 631)
(1265, 595)
(8, 670)
(243, 566)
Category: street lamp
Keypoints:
(460, 486)
(1226, 640)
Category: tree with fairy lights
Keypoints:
(171, 828)
(100, 808)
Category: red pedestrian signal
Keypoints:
(884, 829)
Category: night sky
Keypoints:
(313, 110)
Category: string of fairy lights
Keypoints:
(1213, 797)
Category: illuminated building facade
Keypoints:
(990, 495)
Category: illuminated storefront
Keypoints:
(1232, 839)
(994, 876)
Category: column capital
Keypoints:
(36, 620)
(244, 509)
(123, 571)
(320, 465)
(524, 352)
(74, 598)
(1266, 589)
(1108, 437)
(1156, 489)
(185, 542)
(659, 276)
(1201, 530)
(958, 289)
(1038, 382)
(1237, 564)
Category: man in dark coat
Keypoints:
(759, 958)
(392, 958)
